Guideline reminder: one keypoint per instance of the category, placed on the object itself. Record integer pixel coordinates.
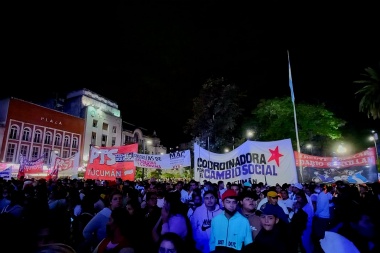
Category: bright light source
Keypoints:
(250, 133)
(226, 150)
(341, 149)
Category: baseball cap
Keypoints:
(229, 194)
(247, 184)
(267, 209)
(272, 194)
(298, 185)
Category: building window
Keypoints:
(57, 140)
(65, 153)
(75, 142)
(35, 153)
(14, 133)
(113, 141)
(93, 138)
(10, 152)
(24, 150)
(48, 138)
(47, 152)
(73, 153)
(94, 123)
(26, 134)
(104, 140)
(37, 136)
(67, 141)
(105, 126)
(114, 129)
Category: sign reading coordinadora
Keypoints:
(269, 162)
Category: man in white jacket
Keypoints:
(201, 220)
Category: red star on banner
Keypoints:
(275, 156)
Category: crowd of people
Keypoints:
(92, 216)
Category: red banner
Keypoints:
(367, 157)
(26, 166)
(355, 169)
(109, 163)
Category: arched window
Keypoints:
(75, 142)
(48, 139)
(38, 136)
(57, 140)
(13, 133)
(26, 134)
(66, 142)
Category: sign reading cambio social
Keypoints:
(109, 163)
(269, 162)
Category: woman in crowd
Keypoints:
(119, 234)
(171, 243)
(97, 225)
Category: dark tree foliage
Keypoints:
(215, 114)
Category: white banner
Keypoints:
(7, 173)
(64, 167)
(174, 160)
(268, 162)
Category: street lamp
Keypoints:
(309, 146)
(226, 150)
(341, 149)
(144, 149)
(250, 134)
(374, 138)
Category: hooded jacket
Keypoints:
(201, 225)
(231, 233)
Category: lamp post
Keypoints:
(309, 146)
(341, 149)
(144, 149)
(250, 134)
(374, 138)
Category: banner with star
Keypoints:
(269, 162)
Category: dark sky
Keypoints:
(152, 58)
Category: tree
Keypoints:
(370, 93)
(155, 173)
(215, 113)
(274, 120)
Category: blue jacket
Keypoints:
(232, 233)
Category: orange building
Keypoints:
(35, 131)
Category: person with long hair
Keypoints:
(97, 225)
(171, 243)
(174, 219)
(119, 234)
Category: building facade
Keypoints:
(82, 119)
(34, 131)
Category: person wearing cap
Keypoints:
(248, 208)
(230, 231)
(272, 198)
(271, 238)
(247, 186)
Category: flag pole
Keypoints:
(295, 116)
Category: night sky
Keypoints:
(152, 58)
